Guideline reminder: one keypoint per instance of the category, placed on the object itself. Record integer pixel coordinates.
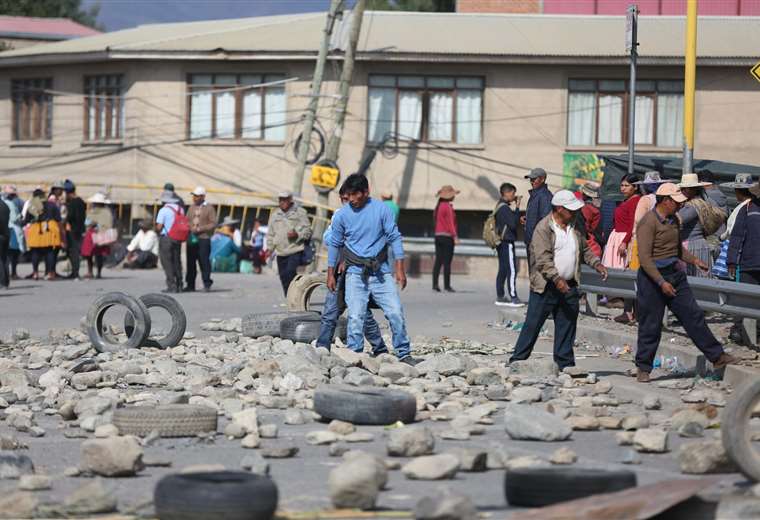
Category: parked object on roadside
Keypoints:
(101, 338)
(175, 311)
(228, 495)
(261, 324)
(737, 434)
(538, 487)
(174, 420)
(365, 404)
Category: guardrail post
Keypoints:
(750, 329)
(665, 316)
(592, 304)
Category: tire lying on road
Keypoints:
(176, 312)
(174, 420)
(229, 495)
(96, 329)
(538, 487)
(301, 289)
(365, 404)
(300, 329)
(737, 434)
(261, 324)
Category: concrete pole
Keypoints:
(633, 11)
(341, 107)
(689, 85)
(316, 87)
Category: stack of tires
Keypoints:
(297, 326)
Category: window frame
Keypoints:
(425, 93)
(107, 102)
(37, 109)
(239, 104)
(625, 96)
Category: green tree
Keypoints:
(440, 6)
(71, 9)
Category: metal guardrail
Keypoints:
(466, 247)
(732, 298)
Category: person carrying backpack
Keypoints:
(506, 219)
(173, 228)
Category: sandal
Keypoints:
(624, 319)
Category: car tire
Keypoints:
(301, 289)
(231, 495)
(176, 312)
(97, 311)
(538, 487)
(301, 329)
(268, 323)
(366, 405)
(174, 420)
(736, 435)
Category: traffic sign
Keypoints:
(755, 71)
(325, 176)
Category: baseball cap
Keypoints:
(68, 186)
(285, 195)
(199, 191)
(567, 199)
(168, 186)
(535, 173)
(671, 190)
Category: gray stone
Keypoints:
(319, 438)
(112, 457)
(563, 456)
(295, 417)
(34, 483)
(92, 406)
(734, 507)
(106, 430)
(625, 438)
(87, 379)
(234, 430)
(651, 402)
(359, 437)
(14, 465)
(455, 435)
(341, 427)
(279, 452)
(443, 364)
(248, 419)
(445, 504)
(483, 376)
(356, 483)
(650, 440)
(251, 441)
(471, 460)
(525, 394)
(583, 422)
(688, 416)
(534, 367)
(526, 461)
(497, 393)
(338, 449)
(92, 498)
(631, 457)
(255, 463)
(703, 457)
(18, 505)
(432, 467)
(9, 442)
(635, 422)
(691, 430)
(397, 371)
(410, 442)
(523, 422)
(268, 431)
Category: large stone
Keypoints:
(356, 483)
(92, 406)
(92, 498)
(397, 371)
(635, 422)
(699, 458)
(255, 463)
(525, 394)
(444, 364)
(432, 467)
(445, 504)
(410, 442)
(650, 440)
(14, 465)
(687, 416)
(321, 437)
(733, 507)
(534, 367)
(18, 505)
(523, 422)
(583, 422)
(112, 457)
(34, 482)
(87, 379)
(341, 427)
(471, 460)
(563, 456)
(248, 419)
(484, 377)
(12, 376)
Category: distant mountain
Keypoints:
(122, 14)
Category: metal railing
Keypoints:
(466, 247)
(732, 298)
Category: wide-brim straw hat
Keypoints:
(691, 180)
(229, 222)
(652, 177)
(742, 181)
(99, 198)
(590, 189)
(447, 192)
(168, 197)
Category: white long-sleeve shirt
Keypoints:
(144, 241)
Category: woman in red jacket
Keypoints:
(445, 236)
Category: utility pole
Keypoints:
(632, 21)
(689, 85)
(341, 107)
(316, 87)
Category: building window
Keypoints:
(32, 109)
(104, 107)
(598, 113)
(433, 108)
(237, 106)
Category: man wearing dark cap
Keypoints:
(170, 187)
(76, 212)
(539, 203)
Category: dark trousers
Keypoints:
(507, 270)
(170, 253)
(564, 308)
(5, 277)
(74, 251)
(48, 253)
(14, 255)
(200, 253)
(256, 258)
(651, 305)
(752, 277)
(444, 254)
(287, 267)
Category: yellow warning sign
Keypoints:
(324, 176)
(756, 71)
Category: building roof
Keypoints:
(416, 36)
(43, 28)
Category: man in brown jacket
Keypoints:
(556, 253)
(202, 218)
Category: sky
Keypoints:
(122, 14)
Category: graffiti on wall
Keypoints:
(580, 168)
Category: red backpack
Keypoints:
(180, 229)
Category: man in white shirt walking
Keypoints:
(556, 253)
(143, 249)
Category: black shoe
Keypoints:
(409, 360)
(379, 353)
(436, 288)
(449, 289)
(188, 289)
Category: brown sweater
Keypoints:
(658, 239)
(202, 220)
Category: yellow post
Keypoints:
(689, 85)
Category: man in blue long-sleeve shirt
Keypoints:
(364, 230)
(539, 203)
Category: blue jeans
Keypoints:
(382, 288)
(331, 312)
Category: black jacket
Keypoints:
(744, 244)
(76, 214)
(5, 217)
(539, 205)
(507, 222)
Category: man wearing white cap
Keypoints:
(202, 218)
(289, 230)
(556, 252)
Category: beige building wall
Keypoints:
(524, 127)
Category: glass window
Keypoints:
(670, 120)
(469, 116)
(581, 118)
(32, 109)
(411, 81)
(104, 107)
(644, 126)
(610, 109)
